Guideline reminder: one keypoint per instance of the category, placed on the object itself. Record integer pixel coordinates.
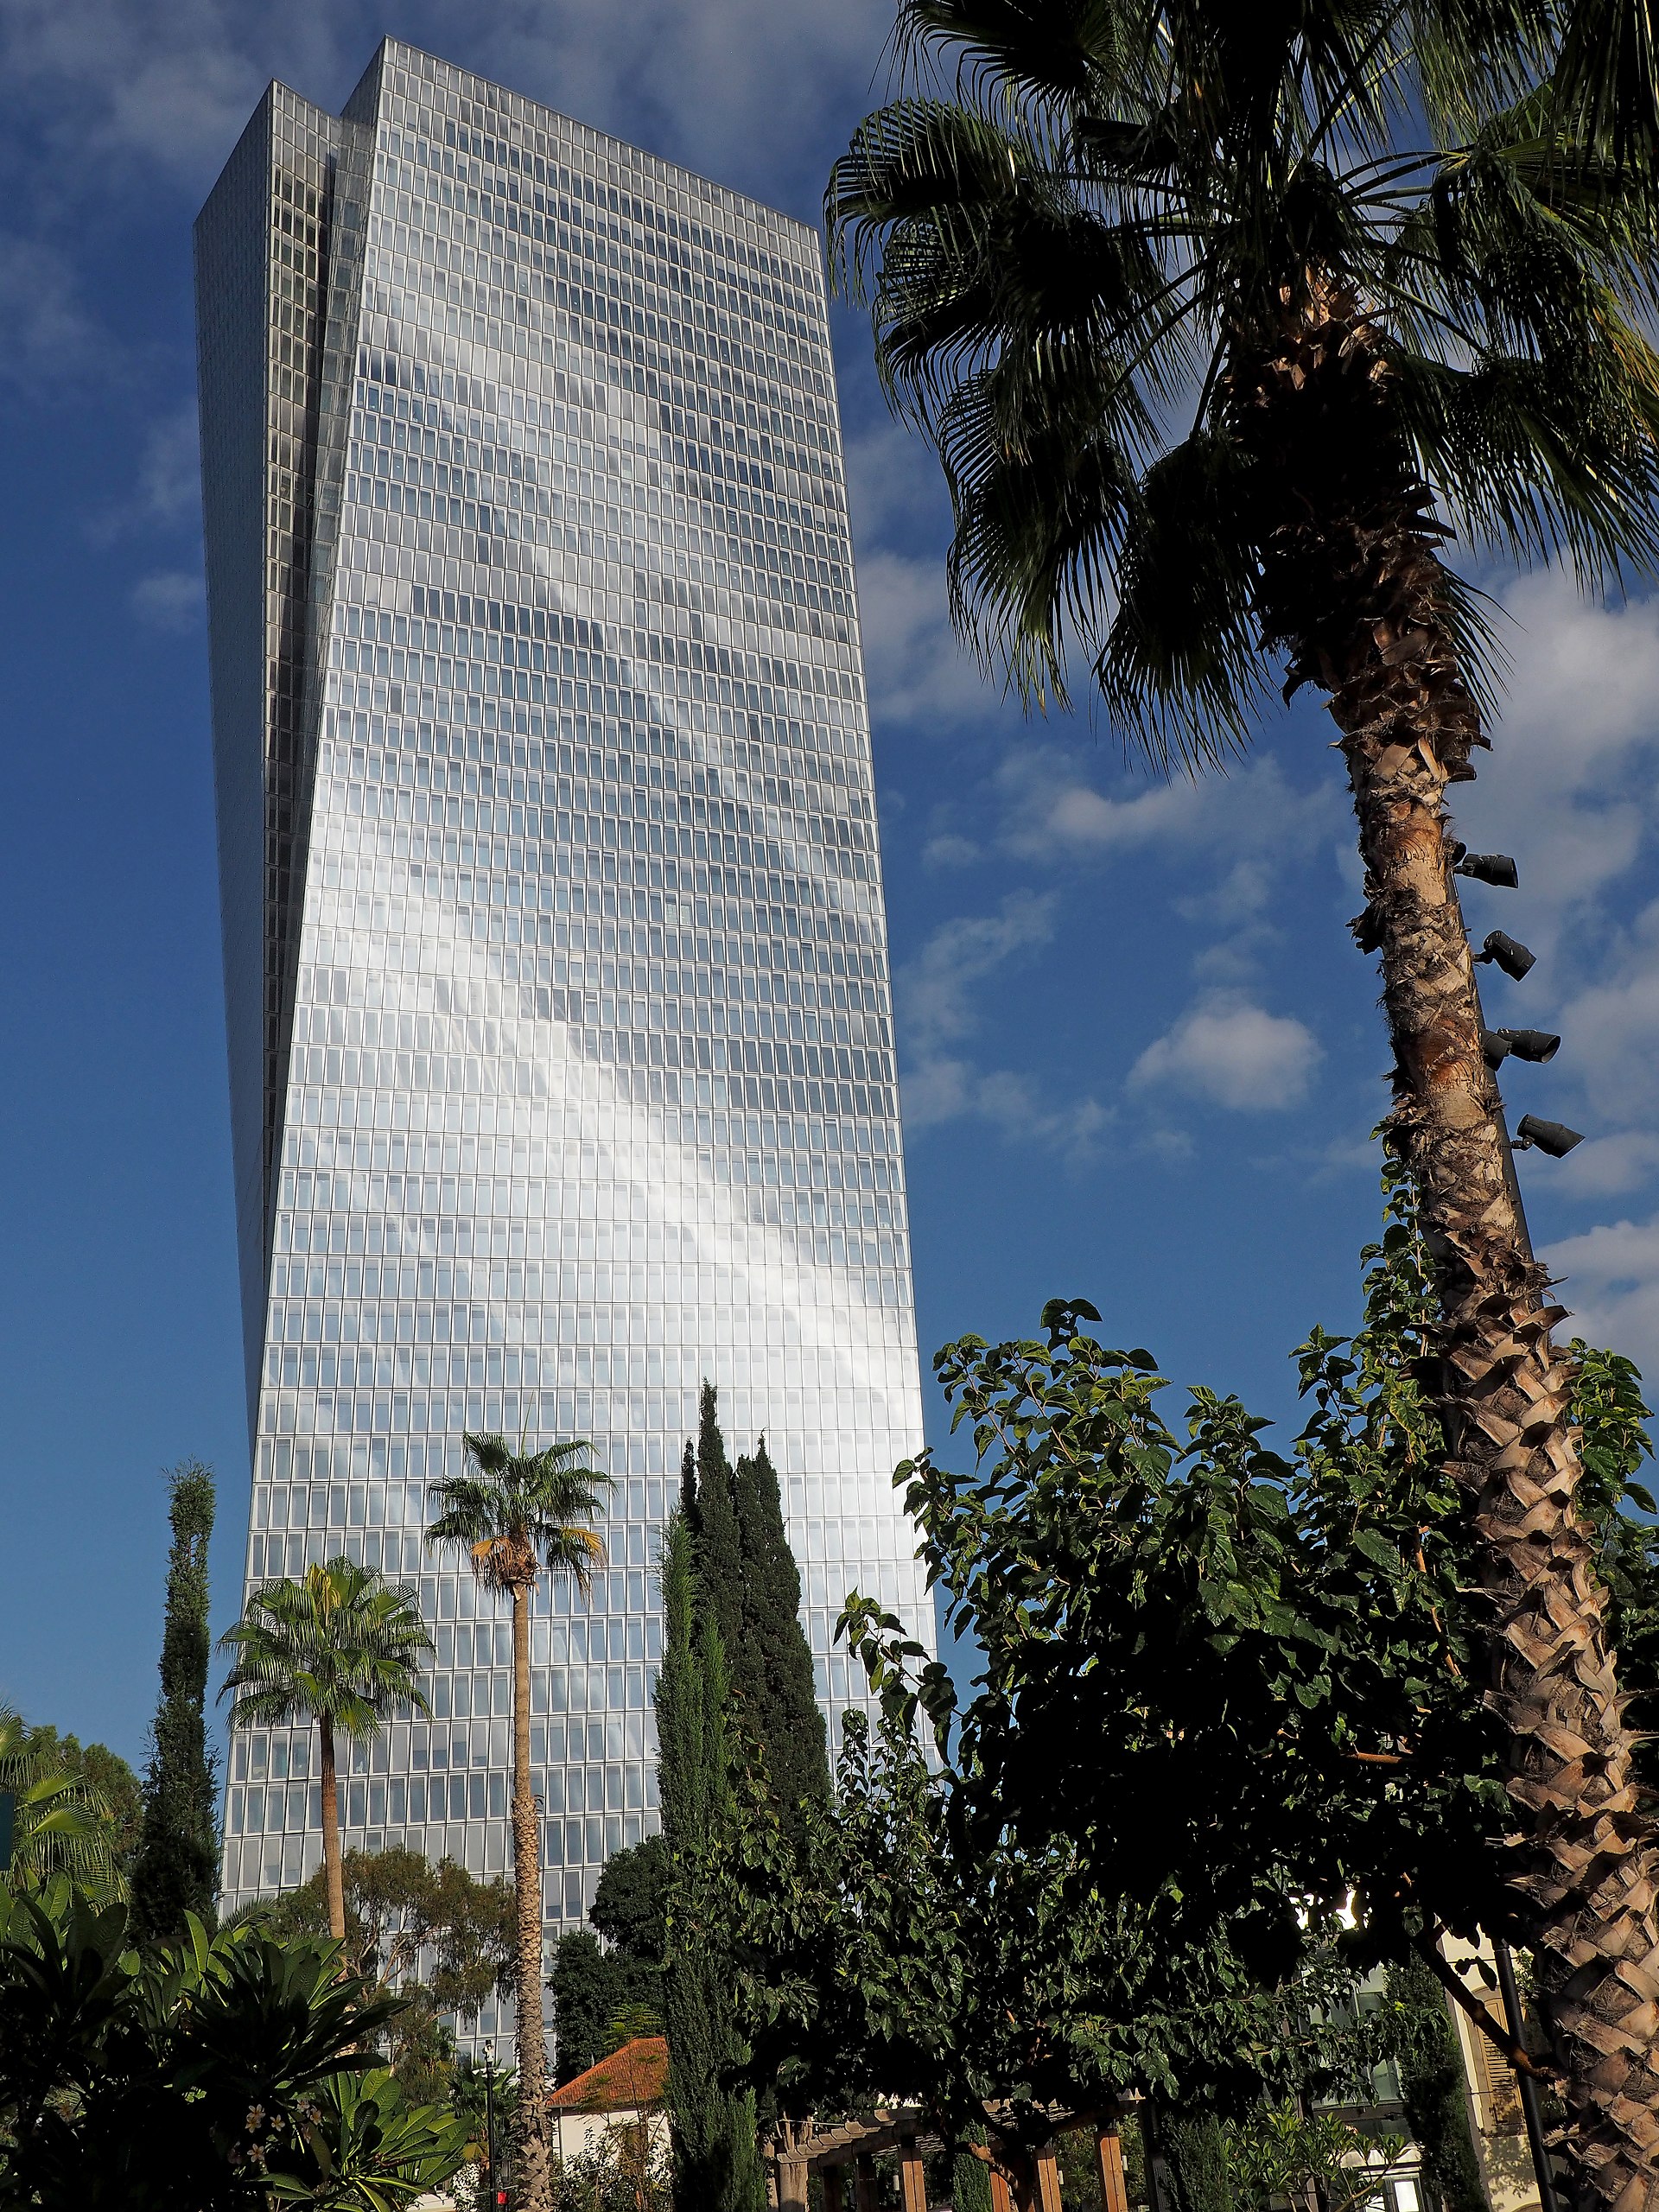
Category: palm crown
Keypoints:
(339, 1643)
(515, 1511)
(1078, 265)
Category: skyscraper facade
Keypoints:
(560, 1032)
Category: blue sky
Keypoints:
(1140, 1055)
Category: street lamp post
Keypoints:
(498, 2196)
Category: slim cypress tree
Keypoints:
(772, 1661)
(718, 1541)
(175, 1867)
(716, 2159)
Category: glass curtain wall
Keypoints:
(561, 1047)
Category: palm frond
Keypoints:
(1181, 668)
(339, 1643)
(1608, 78)
(62, 1823)
(1088, 225)
(514, 1512)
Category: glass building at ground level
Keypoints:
(560, 1032)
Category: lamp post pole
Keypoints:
(489, 2121)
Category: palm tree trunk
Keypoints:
(332, 1876)
(534, 2185)
(1353, 585)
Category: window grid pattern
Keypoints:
(588, 1089)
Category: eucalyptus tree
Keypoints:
(1225, 322)
(341, 1646)
(514, 1514)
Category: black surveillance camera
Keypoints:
(1525, 1044)
(1514, 959)
(1488, 868)
(1553, 1137)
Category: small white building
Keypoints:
(623, 2092)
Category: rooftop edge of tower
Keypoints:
(364, 99)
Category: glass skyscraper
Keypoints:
(560, 1032)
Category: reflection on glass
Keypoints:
(560, 1038)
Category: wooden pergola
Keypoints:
(851, 2148)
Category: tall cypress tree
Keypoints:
(716, 2158)
(718, 1541)
(772, 1661)
(175, 1865)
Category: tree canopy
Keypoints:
(1224, 1695)
(435, 1936)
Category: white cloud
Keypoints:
(167, 482)
(1565, 785)
(170, 600)
(895, 487)
(918, 668)
(743, 85)
(950, 851)
(49, 336)
(936, 1011)
(1251, 821)
(1611, 1287)
(1606, 1166)
(1233, 1053)
(932, 989)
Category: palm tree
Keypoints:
(61, 1823)
(514, 1511)
(343, 1645)
(1224, 320)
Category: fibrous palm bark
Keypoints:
(333, 1878)
(515, 1512)
(534, 2181)
(1353, 588)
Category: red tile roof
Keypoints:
(628, 2081)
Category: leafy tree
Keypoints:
(1276, 2153)
(1196, 2160)
(1224, 1693)
(176, 1867)
(585, 1986)
(630, 1907)
(620, 2173)
(515, 1513)
(227, 2072)
(479, 2090)
(706, 1482)
(716, 2160)
(61, 1821)
(754, 1590)
(435, 1936)
(903, 1956)
(342, 1646)
(1221, 325)
(597, 1992)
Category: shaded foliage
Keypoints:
(219, 2073)
(62, 1821)
(1434, 2091)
